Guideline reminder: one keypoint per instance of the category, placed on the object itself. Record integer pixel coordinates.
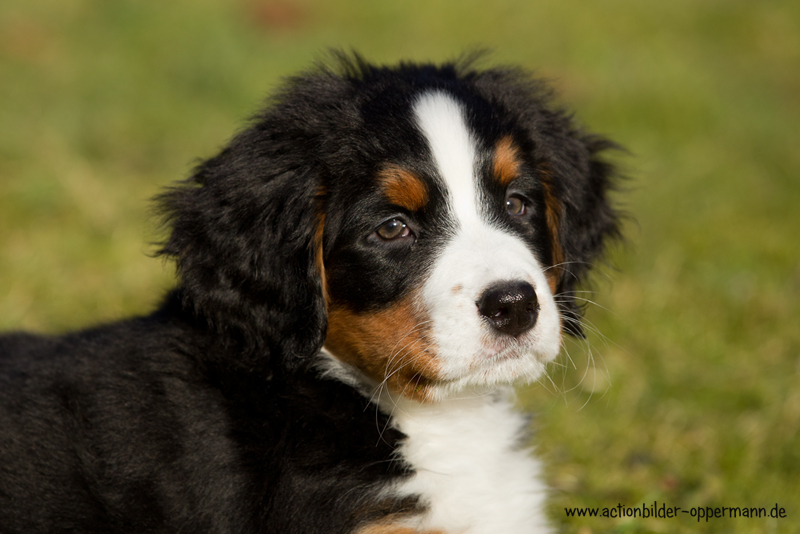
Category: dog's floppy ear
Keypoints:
(244, 234)
(587, 219)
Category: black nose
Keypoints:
(510, 307)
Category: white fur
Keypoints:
(469, 467)
(480, 255)
(440, 119)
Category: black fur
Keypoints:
(209, 415)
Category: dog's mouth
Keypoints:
(501, 349)
(495, 362)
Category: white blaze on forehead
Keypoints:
(476, 256)
(441, 119)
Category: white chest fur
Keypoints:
(470, 468)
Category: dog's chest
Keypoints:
(469, 467)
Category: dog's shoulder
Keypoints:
(101, 423)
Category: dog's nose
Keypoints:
(510, 307)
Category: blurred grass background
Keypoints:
(689, 390)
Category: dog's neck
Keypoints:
(471, 466)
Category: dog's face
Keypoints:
(437, 220)
(443, 270)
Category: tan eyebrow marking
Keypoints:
(506, 161)
(403, 187)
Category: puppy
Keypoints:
(363, 274)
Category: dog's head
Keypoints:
(427, 224)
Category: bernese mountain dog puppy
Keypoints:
(364, 273)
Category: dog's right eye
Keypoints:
(516, 205)
(394, 229)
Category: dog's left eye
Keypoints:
(394, 229)
(516, 205)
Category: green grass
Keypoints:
(689, 392)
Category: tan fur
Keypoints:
(553, 211)
(386, 528)
(506, 161)
(320, 264)
(390, 345)
(403, 188)
(506, 170)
